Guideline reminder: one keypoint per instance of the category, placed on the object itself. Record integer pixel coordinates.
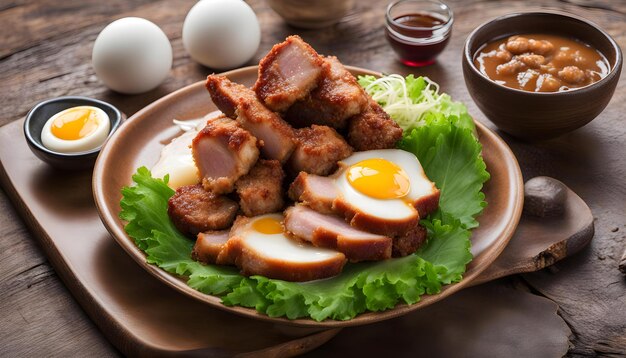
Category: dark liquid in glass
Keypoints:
(425, 46)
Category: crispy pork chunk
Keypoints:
(209, 245)
(193, 210)
(288, 73)
(333, 232)
(373, 129)
(278, 256)
(314, 191)
(318, 150)
(337, 98)
(223, 152)
(410, 242)
(260, 191)
(240, 102)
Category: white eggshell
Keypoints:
(132, 55)
(221, 34)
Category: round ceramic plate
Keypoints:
(139, 141)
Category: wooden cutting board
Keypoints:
(143, 317)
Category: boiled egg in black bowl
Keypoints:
(68, 132)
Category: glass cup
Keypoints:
(418, 30)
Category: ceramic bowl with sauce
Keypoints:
(40, 114)
(528, 111)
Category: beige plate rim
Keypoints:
(109, 216)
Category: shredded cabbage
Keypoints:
(409, 99)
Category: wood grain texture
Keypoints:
(477, 322)
(45, 52)
(540, 242)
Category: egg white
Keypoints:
(177, 160)
(92, 141)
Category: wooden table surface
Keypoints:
(45, 52)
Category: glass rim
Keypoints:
(446, 8)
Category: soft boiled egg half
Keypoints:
(382, 190)
(76, 129)
(259, 246)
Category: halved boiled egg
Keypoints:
(259, 246)
(76, 129)
(384, 191)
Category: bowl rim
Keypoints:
(469, 57)
(115, 123)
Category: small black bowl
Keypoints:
(39, 115)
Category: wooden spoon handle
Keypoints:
(541, 241)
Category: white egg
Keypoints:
(76, 129)
(391, 208)
(221, 34)
(132, 55)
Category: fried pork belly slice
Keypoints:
(288, 73)
(333, 232)
(209, 245)
(314, 191)
(273, 254)
(337, 98)
(240, 102)
(318, 150)
(408, 243)
(322, 194)
(260, 191)
(223, 152)
(373, 129)
(193, 210)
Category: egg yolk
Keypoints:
(268, 226)
(379, 178)
(75, 123)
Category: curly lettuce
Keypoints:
(446, 146)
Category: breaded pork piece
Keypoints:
(318, 150)
(314, 191)
(223, 152)
(260, 191)
(409, 242)
(333, 232)
(239, 102)
(373, 129)
(337, 98)
(288, 73)
(193, 210)
(209, 245)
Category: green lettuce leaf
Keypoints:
(445, 144)
(451, 157)
(365, 286)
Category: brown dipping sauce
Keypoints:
(541, 63)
